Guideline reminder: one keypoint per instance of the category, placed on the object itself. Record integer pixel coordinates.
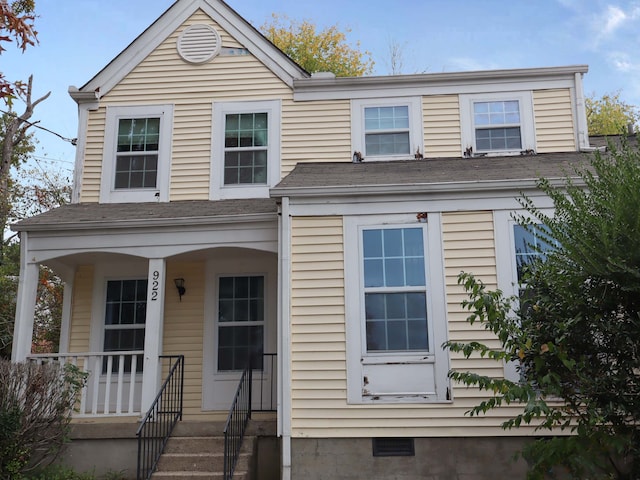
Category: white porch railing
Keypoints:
(114, 382)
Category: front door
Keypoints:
(240, 329)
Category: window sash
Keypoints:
(137, 151)
(125, 319)
(394, 289)
(387, 130)
(246, 148)
(241, 320)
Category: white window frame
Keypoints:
(506, 264)
(527, 124)
(108, 194)
(437, 325)
(416, 133)
(217, 189)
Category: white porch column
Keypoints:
(26, 303)
(65, 325)
(153, 331)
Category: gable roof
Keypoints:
(236, 26)
(427, 175)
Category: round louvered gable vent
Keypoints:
(199, 44)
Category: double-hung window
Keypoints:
(125, 318)
(387, 129)
(246, 149)
(136, 157)
(395, 289)
(241, 312)
(497, 124)
(396, 318)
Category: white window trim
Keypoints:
(108, 194)
(506, 265)
(416, 135)
(436, 308)
(527, 124)
(217, 189)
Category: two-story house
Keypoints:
(228, 204)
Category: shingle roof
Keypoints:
(122, 213)
(429, 171)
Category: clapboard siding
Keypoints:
(442, 137)
(555, 128)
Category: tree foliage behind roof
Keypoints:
(316, 50)
(609, 115)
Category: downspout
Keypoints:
(284, 337)
(581, 115)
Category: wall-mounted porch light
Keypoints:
(180, 286)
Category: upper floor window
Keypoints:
(246, 150)
(498, 124)
(137, 157)
(137, 153)
(387, 129)
(246, 147)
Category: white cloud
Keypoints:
(468, 63)
(621, 61)
(615, 17)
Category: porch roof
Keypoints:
(118, 215)
(437, 174)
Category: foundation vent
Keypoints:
(393, 447)
(199, 43)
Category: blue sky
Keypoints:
(78, 37)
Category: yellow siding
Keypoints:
(164, 77)
(318, 341)
(183, 329)
(442, 137)
(80, 329)
(555, 127)
(314, 132)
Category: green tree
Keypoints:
(575, 334)
(317, 51)
(609, 115)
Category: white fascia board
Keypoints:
(413, 188)
(318, 88)
(166, 24)
(148, 223)
(383, 205)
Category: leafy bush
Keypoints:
(36, 403)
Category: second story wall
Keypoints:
(163, 78)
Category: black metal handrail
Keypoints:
(237, 420)
(162, 416)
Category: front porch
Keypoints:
(114, 384)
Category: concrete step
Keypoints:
(238, 475)
(195, 444)
(199, 462)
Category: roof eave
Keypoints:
(415, 188)
(146, 222)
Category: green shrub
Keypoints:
(36, 403)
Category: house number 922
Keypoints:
(155, 284)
